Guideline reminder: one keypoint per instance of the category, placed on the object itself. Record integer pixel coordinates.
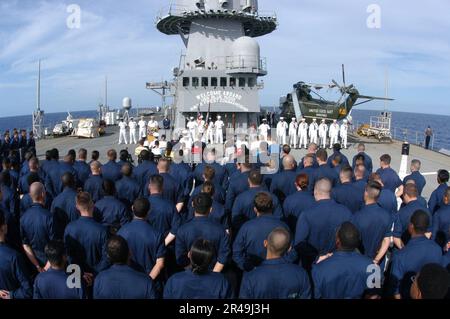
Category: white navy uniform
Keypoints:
(219, 131)
(343, 134)
(334, 134)
(323, 130)
(133, 131)
(201, 129)
(282, 126)
(192, 127)
(264, 129)
(293, 126)
(142, 129)
(313, 130)
(152, 124)
(210, 132)
(123, 133)
(303, 134)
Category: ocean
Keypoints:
(404, 125)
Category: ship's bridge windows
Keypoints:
(186, 81)
(232, 82)
(205, 81)
(241, 82)
(223, 82)
(214, 82)
(251, 82)
(195, 81)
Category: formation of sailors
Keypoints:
(318, 227)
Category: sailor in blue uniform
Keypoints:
(244, 208)
(85, 239)
(120, 281)
(387, 199)
(311, 152)
(407, 261)
(308, 167)
(389, 177)
(109, 211)
(14, 278)
(111, 170)
(337, 152)
(203, 227)
(9, 200)
(52, 284)
(275, 277)
(403, 217)
(128, 189)
(13, 176)
(82, 168)
(94, 184)
(36, 227)
(248, 248)
(316, 227)
(416, 176)
(66, 166)
(374, 224)
(346, 193)
(238, 184)
(52, 174)
(31, 143)
(324, 170)
(162, 215)
(145, 169)
(298, 202)
(182, 173)
(436, 199)
(360, 178)
(366, 158)
(343, 275)
(446, 258)
(441, 221)
(64, 205)
(220, 176)
(33, 167)
(283, 183)
(217, 214)
(198, 282)
(431, 283)
(208, 176)
(145, 242)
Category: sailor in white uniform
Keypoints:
(133, 131)
(219, 130)
(210, 132)
(313, 130)
(201, 128)
(264, 129)
(122, 132)
(282, 126)
(293, 126)
(343, 133)
(142, 128)
(186, 141)
(192, 127)
(333, 133)
(303, 133)
(323, 130)
(153, 125)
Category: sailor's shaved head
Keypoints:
(278, 242)
(323, 188)
(37, 192)
(288, 162)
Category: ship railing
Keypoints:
(180, 11)
(411, 136)
(232, 63)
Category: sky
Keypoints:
(314, 37)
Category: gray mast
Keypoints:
(38, 115)
(222, 63)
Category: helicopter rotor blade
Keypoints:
(343, 74)
(375, 98)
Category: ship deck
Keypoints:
(431, 161)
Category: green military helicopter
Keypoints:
(305, 101)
